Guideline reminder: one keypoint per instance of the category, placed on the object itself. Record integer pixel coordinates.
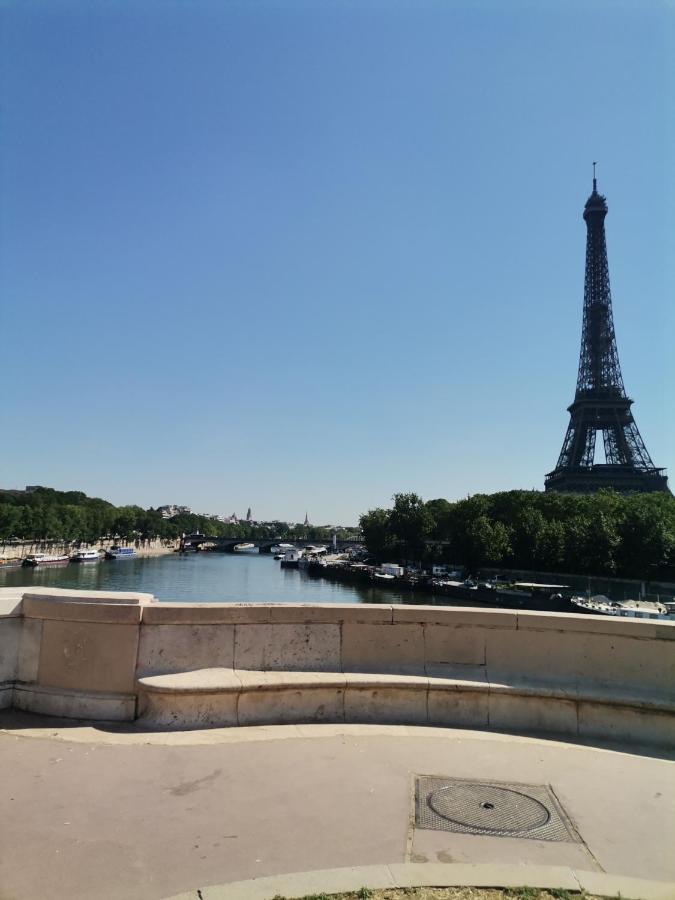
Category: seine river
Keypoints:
(204, 578)
(243, 578)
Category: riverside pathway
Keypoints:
(108, 812)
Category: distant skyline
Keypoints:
(298, 255)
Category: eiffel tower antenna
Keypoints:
(600, 402)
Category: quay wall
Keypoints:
(127, 657)
(150, 547)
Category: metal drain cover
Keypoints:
(506, 810)
(487, 806)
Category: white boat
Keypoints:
(601, 605)
(315, 549)
(244, 548)
(85, 556)
(292, 558)
(281, 548)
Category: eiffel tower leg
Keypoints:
(616, 450)
(588, 447)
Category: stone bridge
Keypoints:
(264, 545)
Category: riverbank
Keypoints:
(143, 548)
(493, 587)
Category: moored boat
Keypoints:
(461, 590)
(120, 552)
(535, 596)
(244, 548)
(85, 556)
(291, 559)
(44, 559)
(10, 562)
(280, 549)
(601, 605)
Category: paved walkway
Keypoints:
(90, 812)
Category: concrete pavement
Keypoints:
(118, 813)
(434, 875)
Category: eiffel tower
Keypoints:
(600, 402)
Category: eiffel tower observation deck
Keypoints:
(600, 402)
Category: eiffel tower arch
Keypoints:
(600, 402)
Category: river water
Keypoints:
(239, 578)
(204, 578)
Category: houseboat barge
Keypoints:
(44, 559)
(120, 553)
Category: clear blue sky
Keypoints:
(302, 255)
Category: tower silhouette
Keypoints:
(600, 402)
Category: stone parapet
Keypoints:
(95, 654)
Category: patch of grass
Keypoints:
(307, 897)
(451, 893)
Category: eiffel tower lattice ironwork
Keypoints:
(600, 402)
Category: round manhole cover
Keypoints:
(487, 807)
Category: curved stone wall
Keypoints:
(103, 655)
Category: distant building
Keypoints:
(171, 510)
(306, 523)
(248, 515)
(30, 488)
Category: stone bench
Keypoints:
(217, 697)
(221, 697)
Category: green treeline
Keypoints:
(630, 535)
(46, 514)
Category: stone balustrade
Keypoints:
(126, 657)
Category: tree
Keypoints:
(603, 542)
(441, 513)
(647, 535)
(411, 524)
(10, 521)
(375, 525)
(526, 537)
(550, 549)
(488, 543)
